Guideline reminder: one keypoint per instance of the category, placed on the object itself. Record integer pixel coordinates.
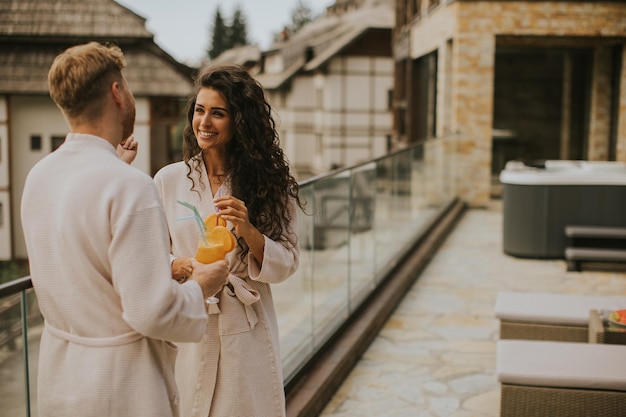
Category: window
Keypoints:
(56, 141)
(35, 142)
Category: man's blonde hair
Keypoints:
(80, 76)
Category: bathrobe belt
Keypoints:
(244, 293)
(117, 340)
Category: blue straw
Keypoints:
(198, 218)
(186, 218)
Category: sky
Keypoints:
(183, 27)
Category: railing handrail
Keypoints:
(359, 165)
(15, 286)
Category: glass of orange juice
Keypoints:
(210, 253)
(217, 242)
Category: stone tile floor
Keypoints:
(436, 354)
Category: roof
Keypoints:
(335, 47)
(65, 18)
(326, 37)
(272, 81)
(241, 55)
(33, 32)
(24, 70)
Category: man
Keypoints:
(98, 249)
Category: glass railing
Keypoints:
(20, 327)
(359, 221)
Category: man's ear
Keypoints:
(116, 91)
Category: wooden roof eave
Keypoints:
(334, 49)
(275, 81)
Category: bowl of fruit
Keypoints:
(617, 319)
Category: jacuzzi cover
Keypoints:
(563, 172)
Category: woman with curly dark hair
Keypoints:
(233, 165)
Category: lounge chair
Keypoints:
(546, 316)
(561, 379)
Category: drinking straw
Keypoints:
(219, 189)
(186, 218)
(198, 219)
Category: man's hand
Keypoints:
(211, 277)
(127, 149)
(182, 268)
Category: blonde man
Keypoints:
(98, 249)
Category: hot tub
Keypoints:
(540, 199)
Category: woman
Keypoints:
(233, 165)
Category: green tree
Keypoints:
(220, 36)
(238, 29)
(225, 36)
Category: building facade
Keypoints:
(528, 80)
(32, 33)
(330, 85)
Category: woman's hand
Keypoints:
(235, 211)
(127, 149)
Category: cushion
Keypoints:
(561, 364)
(563, 309)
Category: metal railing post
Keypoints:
(25, 344)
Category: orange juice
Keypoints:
(211, 253)
(220, 241)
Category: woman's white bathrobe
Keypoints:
(99, 261)
(236, 370)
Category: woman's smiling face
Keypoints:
(211, 119)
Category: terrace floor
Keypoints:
(436, 355)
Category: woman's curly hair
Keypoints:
(257, 167)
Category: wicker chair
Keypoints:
(557, 379)
(599, 332)
(544, 316)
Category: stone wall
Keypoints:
(473, 27)
(600, 117)
(621, 123)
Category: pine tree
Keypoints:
(238, 29)
(220, 36)
(300, 16)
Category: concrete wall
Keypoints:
(29, 116)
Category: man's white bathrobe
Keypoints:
(98, 250)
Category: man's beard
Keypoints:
(128, 124)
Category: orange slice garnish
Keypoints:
(220, 234)
(211, 253)
(212, 220)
